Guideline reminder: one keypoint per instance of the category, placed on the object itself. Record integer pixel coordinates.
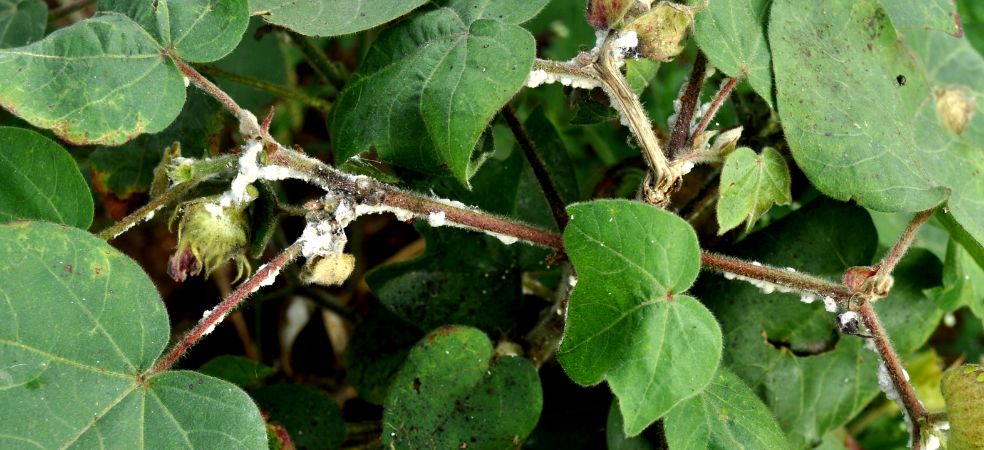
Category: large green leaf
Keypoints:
(462, 278)
(429, 86)
(82, 326)
(626, 312)
(41, 181)
(727, 415)
(331, 17)
(732, 35)
(750, 185)
(194, 30)
(936, 15)
(860, 111)
(376, 352)
(100, 81)
(452, 392)
(22, 22)
(789, 352)
(129, 168)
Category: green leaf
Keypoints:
(726, 415)
(129, 168)
(238, 370)
(790, 352)
(750, 185)
(626, 313)
(41, 181)
(833, 62)
(82, 326)
(462, 278)
(963, 389)
(972, 17)
(22, 22)
(312, 419)
(615, 437)
(195, 30)
(99, 81)
(963, 282)
(430, 85)
(938, 15)
(732, 35)
(453, 392)
(331, 17)
(378, 348)
(260, 56)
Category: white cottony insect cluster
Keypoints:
(766, 287)
(625, 44)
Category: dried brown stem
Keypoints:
(217, 314)
(539, 167)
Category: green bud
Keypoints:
(661, 30)
(963, 391)
(208, 236)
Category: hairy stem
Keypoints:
(689, 99)
(146, 211)
(913, 407)
(795, 280)
(892, 258)
(262, 85)
(231, 302)
(539, 167)
(719, 99)
(248, 124)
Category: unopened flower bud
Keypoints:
(661, 30)
(329, 270)
(208, 236)
(605, 14)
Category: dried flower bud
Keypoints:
(855, 277)
(956, 106)
(963, 391)
(605, 14)
(208, 236)
(661, 30)
(329, 270)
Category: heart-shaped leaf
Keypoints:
(331, 17)
(626, 317)
(750, 185)
(453, 393)
(22, 22)
(82, 325)
(727, 414)
(869, 119)
(430, 85)
(194, 30)
(41, 181)
(99, 81)
(732, 35)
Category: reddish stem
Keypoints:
(217, 314)
(719, 99)
(892, 258)
(688, 104)
(539, 167)
(795, 280)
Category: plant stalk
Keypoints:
(539, 167)
(314, 102)
(689, 99)
(231, 302)
(719, 99)
(146, 211)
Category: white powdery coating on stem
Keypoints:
(249, 172)
(768, 287)
(321, 238)
(149, 215)
(508, 240)
(626, 42)
(436, 219)
(847, 318)
(539, 77)
(829, 304)
(268, 279)
(888, 387)
(211, 327)
(402, 215)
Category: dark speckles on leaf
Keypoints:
(416, 385)
(68, 268)
(900, 79)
